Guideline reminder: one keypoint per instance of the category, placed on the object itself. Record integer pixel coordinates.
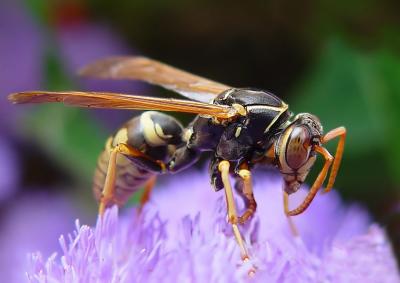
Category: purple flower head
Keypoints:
(32, 222)
(183, 236)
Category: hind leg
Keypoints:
(148, 188)
(107, 196)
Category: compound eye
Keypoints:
(298, 147)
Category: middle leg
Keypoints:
(223, 168)
(148, 188)
(293, 227)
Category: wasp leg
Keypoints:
(109, 184)
(317, 184)
(293, 228)
(341, 133)
(246, 192)
(223, 167)
(148, 188)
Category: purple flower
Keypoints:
(32, 222)
(182, 236)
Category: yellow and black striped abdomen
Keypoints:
(153, 133)
(129, 177)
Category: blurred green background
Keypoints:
(337, 59)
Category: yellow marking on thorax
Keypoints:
(187, 133)
(281, 111)
(228, 93)
(239, 109)
(282, 108)
(238, 131)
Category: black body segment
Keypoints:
(238, 139)
(265, 115)
(248, 96)
(202, 135)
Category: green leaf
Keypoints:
(56, 78)
(40, 10)
(338, 92)
(388, 66)
(70, 135)
(359, 90)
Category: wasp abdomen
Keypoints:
(129, 177)
(153, 133)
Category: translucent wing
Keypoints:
(157, 73)
(123, 101)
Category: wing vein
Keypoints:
(123, 101)
(157, 73)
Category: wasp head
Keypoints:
(295, 149)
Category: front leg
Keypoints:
(292, 225)
(314, 188)
(223, 168)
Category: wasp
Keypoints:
(241, 127)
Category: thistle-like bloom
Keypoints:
(33, 222)
(183, 236)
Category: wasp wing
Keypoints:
(123, 101)
(157, 73)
